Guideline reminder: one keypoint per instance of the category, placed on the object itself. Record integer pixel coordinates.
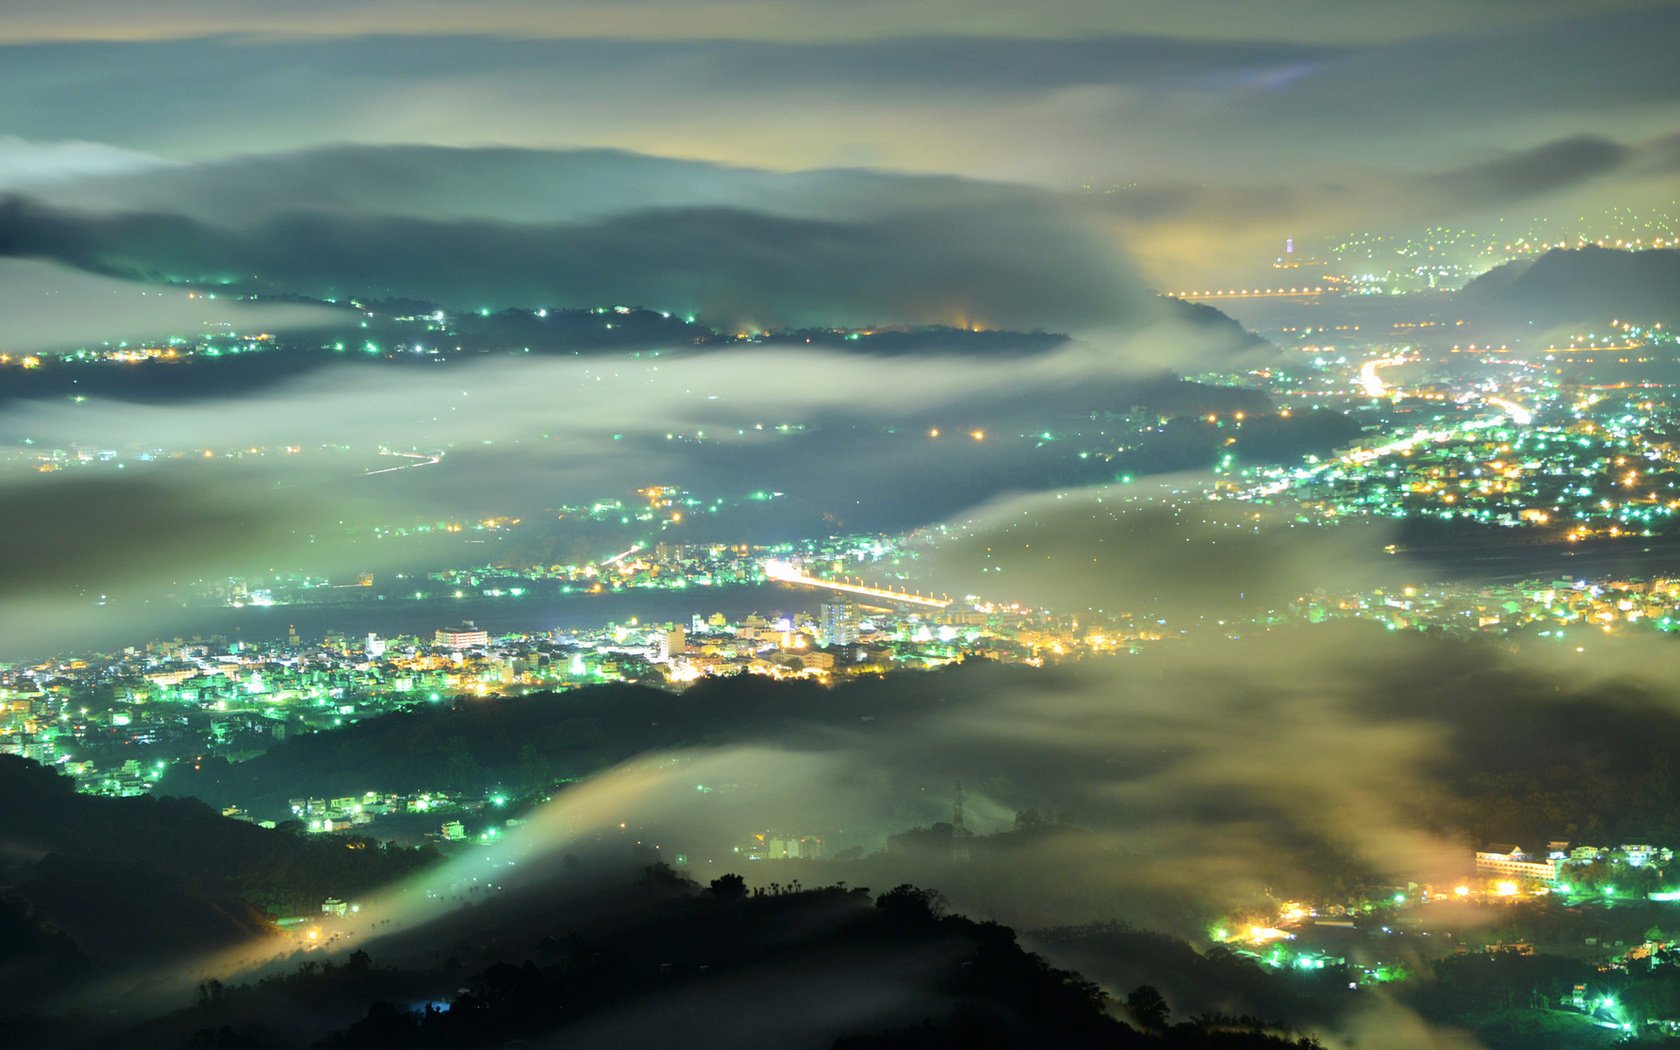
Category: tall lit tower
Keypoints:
(1290, 261)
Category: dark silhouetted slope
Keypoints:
(1588, 285)
(131, 879)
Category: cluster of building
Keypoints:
(779, 845)
(1557, 609)
(641, 566)
(1557, 866)
(661, 566)
(351, 811)
(92, 715)
(1438, 257)
(1575, 464)
(1366, 937)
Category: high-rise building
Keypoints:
(663, 645)
(836, 624)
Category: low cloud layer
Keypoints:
(499, 226)
(1197, 782)
(1017, 268)
(45, 307)
(760, 20)
(1122, 97)
(293, 479)
(1196, 229)
(584, 228)
(1154, 547)
(25, 164)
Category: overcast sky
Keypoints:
(1206, 131)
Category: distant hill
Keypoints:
(524, 743)
(924, 340)
(1588, 285)
(130, 879)
(664, 962)
(1214, 322)
(556, 333)
(1491, 791)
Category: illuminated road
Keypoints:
(1608, 348)
(784, 572)
(420, 459)
(1368, 378)
(1359, 456)
(620, 556)
(1373, 386)
(1519, 415)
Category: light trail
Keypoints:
(621, 555)
(785, 572)
(1368, 378)
(1360, 456)
(1519, 415)
(422, 460)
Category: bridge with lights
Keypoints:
(1250, 293)
(787, 572)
